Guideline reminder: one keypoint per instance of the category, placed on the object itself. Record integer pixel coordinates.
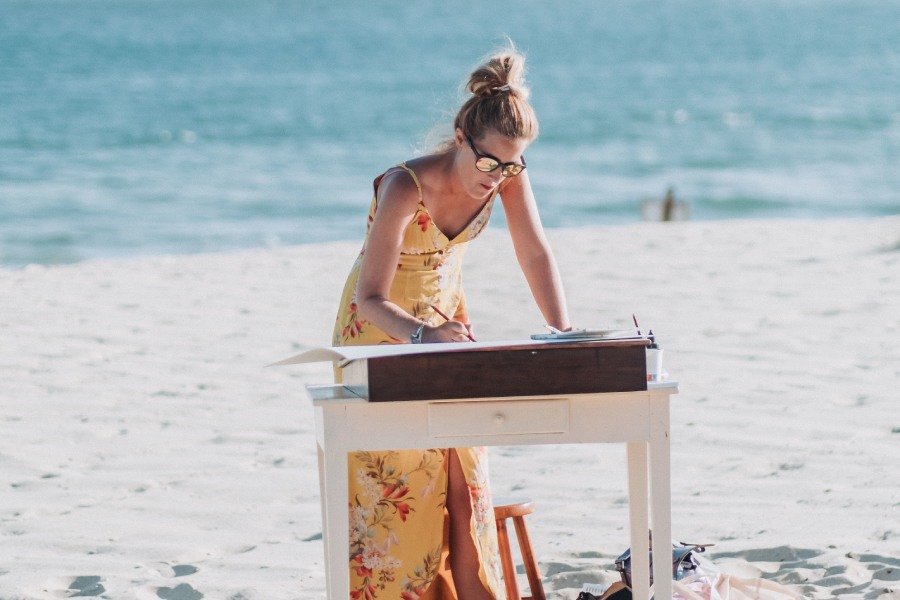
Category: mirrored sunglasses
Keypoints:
(487, 163)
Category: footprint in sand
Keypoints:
(887, 574)
(182, 591)
(86, 585)
(182, 570)
(169, 570)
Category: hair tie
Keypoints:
(502, 88)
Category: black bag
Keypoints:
(684, 563)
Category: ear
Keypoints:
(459, 138)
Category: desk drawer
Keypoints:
(555, 369)
(501, 417)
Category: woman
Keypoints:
(423, 214)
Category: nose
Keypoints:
(496, 176)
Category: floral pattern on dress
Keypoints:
(414, 587)
(354, 324)
(383, 497)
(484, 524)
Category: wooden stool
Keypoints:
(516, 509)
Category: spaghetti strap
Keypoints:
(411, 173)
(402, 166)
(415, 179)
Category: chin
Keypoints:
(484, 192)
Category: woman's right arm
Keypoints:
(397, 202)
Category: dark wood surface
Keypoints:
(520, 370)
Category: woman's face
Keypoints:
(492, 145)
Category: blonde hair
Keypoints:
(497, 99)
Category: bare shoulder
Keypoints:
(397, 188)
(431, 171)
(397, 199)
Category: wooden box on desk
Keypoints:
(451, 371)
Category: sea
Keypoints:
(141, 127)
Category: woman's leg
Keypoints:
(463, 554)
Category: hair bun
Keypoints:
(499, 98)
(484, 88)
(502, 73)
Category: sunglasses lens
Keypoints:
(512, 170)
(486, 164)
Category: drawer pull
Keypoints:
(504, 417)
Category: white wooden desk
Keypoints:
(346, 423)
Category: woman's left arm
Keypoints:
(533, 250)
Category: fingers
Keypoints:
(452, 331)
(458, 331)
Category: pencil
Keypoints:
(446, 318)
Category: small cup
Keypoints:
(654, 364)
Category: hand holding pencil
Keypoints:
(449, 320)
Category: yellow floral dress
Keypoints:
(398, 528)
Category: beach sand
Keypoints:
(147, 451)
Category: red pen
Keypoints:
(446, 318)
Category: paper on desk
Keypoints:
(345, 354)
(311, 356)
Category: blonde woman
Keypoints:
(423, 215)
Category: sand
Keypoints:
(147, 452)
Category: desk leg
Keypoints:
(638, 515)
(334, 488)
(661, 494)
(323, 500)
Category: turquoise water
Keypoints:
(162, 126)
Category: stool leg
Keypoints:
(509, 571)
(531, 566)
